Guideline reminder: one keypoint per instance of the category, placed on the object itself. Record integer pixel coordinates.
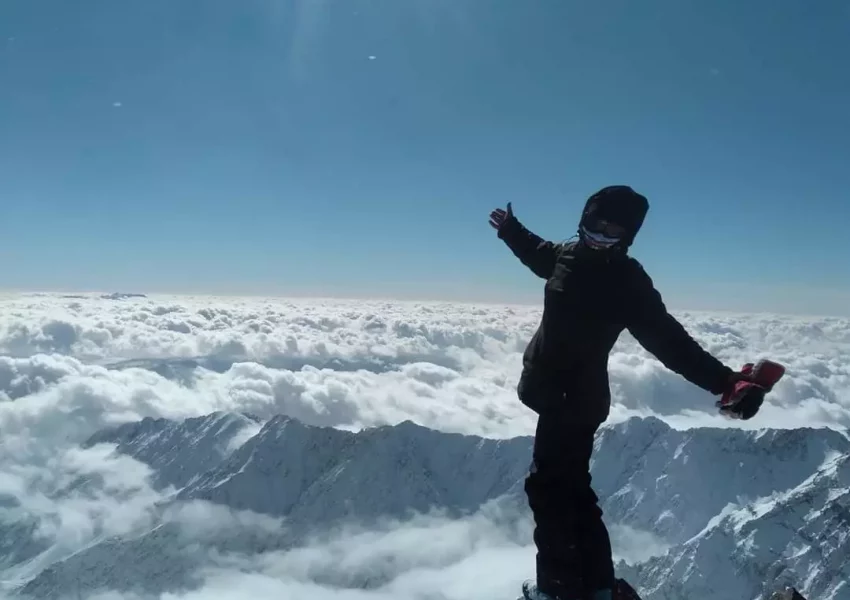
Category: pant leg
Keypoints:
(573, 545)
(595, 542)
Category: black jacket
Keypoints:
(589, 299)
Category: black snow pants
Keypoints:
(573, 545)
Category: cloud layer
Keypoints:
(70, 366)
(354, 364)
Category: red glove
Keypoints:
(745, 396)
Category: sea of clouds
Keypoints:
(71, 365)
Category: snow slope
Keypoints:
(799, 536)
(673, 482)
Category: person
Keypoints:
(594, 290)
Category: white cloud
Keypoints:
(472, 558)
(339, 363)
(632, 545)
(354, 364)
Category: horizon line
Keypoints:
(353, 297)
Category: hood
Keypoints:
(619, 204)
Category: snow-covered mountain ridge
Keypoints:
(736, 507)
(799, 537)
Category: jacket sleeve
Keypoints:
(662, 335)
(533, 251)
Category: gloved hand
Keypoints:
(499, 217)
(747, 389)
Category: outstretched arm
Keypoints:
(533, 251)
(661, 334)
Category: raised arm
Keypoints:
(533, 251)
(662, 335)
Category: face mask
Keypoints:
(598, 241)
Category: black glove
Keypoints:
(499, 217)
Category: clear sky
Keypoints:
(356, 147)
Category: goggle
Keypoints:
(606, 228)
(598, 241)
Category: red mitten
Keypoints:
(744, 399)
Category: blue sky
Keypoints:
(357, 147)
